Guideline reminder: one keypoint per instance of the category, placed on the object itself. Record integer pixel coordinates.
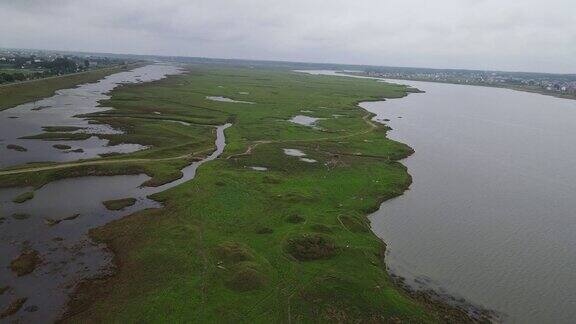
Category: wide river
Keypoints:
(491, 213)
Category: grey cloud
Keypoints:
(510, 35)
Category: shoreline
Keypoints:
(536, 91)
(450, 304)
(454, 307)
(429, 299)
(33, 90)
(447, 302)
(434, 310)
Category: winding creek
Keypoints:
(490, 216)
(68, 255)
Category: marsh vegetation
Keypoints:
(288, 244)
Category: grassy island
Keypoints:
(119, 204)
(23, 197)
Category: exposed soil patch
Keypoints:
(25, 263)
(13, 308)
(53, 221)
(61, 146)
(16, 148)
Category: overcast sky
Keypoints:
(518, 35)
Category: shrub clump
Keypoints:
(264, 230)
(311, 247)
(321, 228)
(16, 148)
(233, 252)
(246, 279)
(295, 219)
(13, 308)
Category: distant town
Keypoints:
(562, 85)
(17, 65)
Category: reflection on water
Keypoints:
(225, 99)
(305, 120)
(59, 110)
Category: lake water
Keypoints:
(491, 213)
(304, 120)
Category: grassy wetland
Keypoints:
(18, 93)
(258, 235)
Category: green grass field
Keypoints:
(291, 244)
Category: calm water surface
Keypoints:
(60, 110)
(491, 214)
(68, 255)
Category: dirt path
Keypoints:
(366, 119)
(99, 162)
(248, 151)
